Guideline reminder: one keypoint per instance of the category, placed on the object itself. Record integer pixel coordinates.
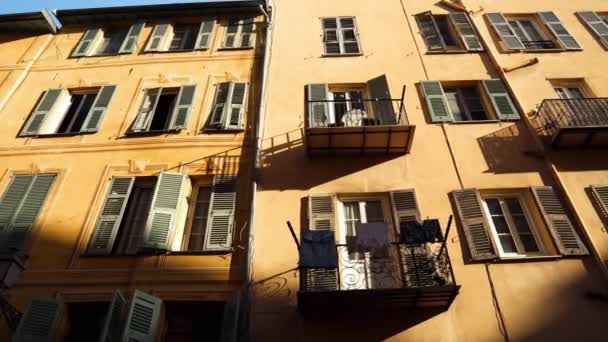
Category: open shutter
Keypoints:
(48, 101)
(218, 112)
(162, 219)
(181, 113)
(600, 194)
(14, 194)
(405, 206)
(146, 111)
(86, 42)
(247, 34)
(39, 321)
(501, 100)
(112, 326)
(430, 31)
(142, 318)
(466, 31)
(321, 212)
(556, 218)
(504, 31)
(237, 98)
(382, 100)
(98, 110)
(204, 33)
(436, 101)
(158, 36)
(318, 109)
(559, 30)
(596, 24)
(222, 207)
(474, 224)
(130, 42)
(111, 214)
(230, 321)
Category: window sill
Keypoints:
(452, 52)
(152, 133)
(541, 50)
(236, 48)
(519, 259)
(56, 135)
(223, 130)
(160, 252)
(474, 122)
(174, 51)
(331, 55)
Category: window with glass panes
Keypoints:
(465, 103)
(340, 36)
(196, 239)
(368, 211)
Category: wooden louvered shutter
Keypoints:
(430, 31)
(47, 103)
(405, 206)
(504, 31)
(383, 106)
(418, 265)
(39, 321)
(600, 195)
(557, 220)
(181, 113)
(110, 217)
(158, 37)
(142, 318)
(222, 209)
(130, 42)
(321, 212)
(204, 33)
(320, 279)
(474, 224)
(218, 111)
(236, 105)
(596, 24)
(146, 111)
(112, 326)
(466, 31)
(501, 100)
(230, 320)
(436, 101)
(162, 219)
(559, 30)
(318, 109)
(232, 32)
(98, 110)
(86, 42)
(14, 194)
(247, 36)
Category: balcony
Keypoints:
(407, 278)
(573, 123)
(358, 127)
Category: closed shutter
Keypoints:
(222, 208)
(204, 33)
(158, 37)
(556, 217)
(419, 266)
(47, 103)
(130, 42)
(381, 100)
(146, 111)
(236, 107)
(559, 30)
(430, 31)
(596, 24)
(466, 30)
(504, 31)
(436, 101)
(86, 42)
(247, 36)
(600, 195)
(39, 321)
(501, 100)
(474, 224)
(218, 111)
(98, 110)
(113, 322)
(111, 215)
(405, 206)
(181, 113)
(318, 109)
(162, 219)
(142, 318)
(321, 212)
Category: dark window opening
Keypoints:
(184, 37)
(164, 108)
(198, 228)
(444, 28)
(85, 320)
(193, 321)
(111, 41)
(80, 104)
(465, 103)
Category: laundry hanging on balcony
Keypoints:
(372, 237)
(318, 249)
(414, 232)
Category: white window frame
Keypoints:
(154, 108)
(330, 97)
(99, 39)
(386, 212)
(518, 21)
(192, 207)
(460, 99)
(566, 88)
(170, 35)
(340, 36)
(55, 117)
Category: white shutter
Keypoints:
(87, 41)
(205, 32)
(146, 110)
(142, 318)
(321, 212)
(98, 110)
(236, 105)
(115, 317)
(218, 111)
(559, 30)
(158, 37)
(318, 107)
(129, 44)
(222, 209)
(50, 101)
(183, 107)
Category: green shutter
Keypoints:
(39, 321)
(130, 42)
(14, 194)
(466, 31)
(595, 24)
(157, 37)
(113, 322)
(504, 31)
(110, 217)
(204, 33)
(86, 42)
(474, 224)
(220, 222)
(218, 111)
(436, 101)
(318, 107)
(44, 106)
(559, 30)
(98, 110)
(405, 205)
(230, 320)
(501, 100)
(162, 217)
(236, 106)
(142, 318)
(321, 212)
(181, 113)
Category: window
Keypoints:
(228, 107)
(73, 111)
(530, 35)
(108, 40)
(240, 34)
(340, 36)
(164, 109)
(569, 92)
(451, 32)
(195, 240)
(465, 103)
(597, 23)
(345, 107)
(181, 36)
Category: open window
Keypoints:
(448, 32)
(229, 105)
(181, 36)
(164, 109)
(111, 40)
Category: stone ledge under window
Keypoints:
(517, 259)
(471, 122)
(236, 48)
(359, 54)
(55, 135)
(452, 52)
(222, 130)
(160, 252)
(173, 51)
(152, 133)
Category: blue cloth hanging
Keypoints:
(318, 249)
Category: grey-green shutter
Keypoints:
(600, 195)
(98, 110)
(596, 24)
(86, 42)
(39, 321)
(35, 120)
(181, 113)
(466, 31)
(405, 205)
(130, 42)
(162, 218)
(146, 113)
(230, 320)
(142, 318)
(474, 224)
(158, 34)
(436, 101)
(113, 322)
(220, 103)
(111, 214)
(559, 30)
(321, 212)
(236, 106)
(247, 34)
(381, 100)
(318, 108)
(555, 215)
(13, 195)
(204, 33)
(501, 100)
(430, 31)
(505, 32)
(222, 207)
